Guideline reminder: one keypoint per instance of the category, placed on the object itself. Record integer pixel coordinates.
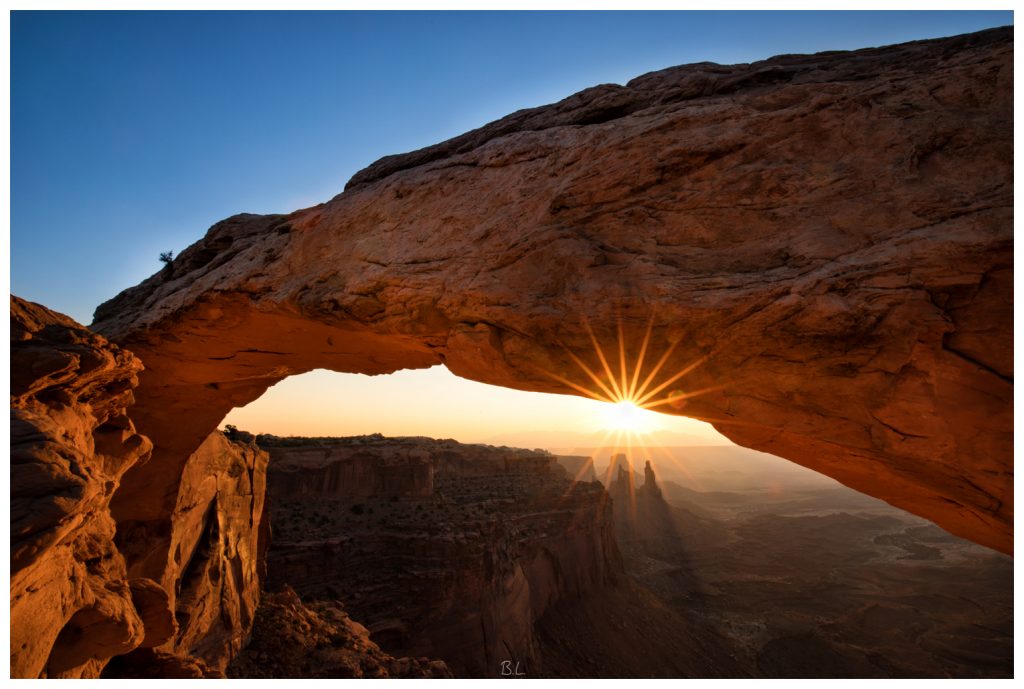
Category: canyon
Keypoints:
(804, 577)
(460, 569)
(816, 248)
(411, 557)
(90, 597)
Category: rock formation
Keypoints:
(72, 604)
(206, 563)
(319, 641)
(504, 536)
(827, 237)
(183, 603)
(579, 468)
(650, 486)
(462, 573)
(338, 470)
(214, 545)
(644, 523)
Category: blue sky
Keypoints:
(133, 132)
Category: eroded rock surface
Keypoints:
(350, 468)
(829, 237)
(642, 515)
(72, 604)
(462, 574)
(89, 595)
(207, 564)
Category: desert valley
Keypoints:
(479, 555)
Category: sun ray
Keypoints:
(657, 368)
(578, 388)
(640, 359)
(671, 459)
(612, 451)
(683, 396)
(604, 360)
(622, 387)
(671, 380)
(578, 478)
(630, 483)
(622, 361)
(593, 376)
(579, 474)
(599, 451)
(678, 464)
(609, 395)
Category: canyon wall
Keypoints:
(206, 564)
(818, 248)
(461, 573)
(330, 469)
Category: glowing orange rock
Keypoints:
(832, 233)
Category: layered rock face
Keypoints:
(89, 594)
(827, 237)
(73, 606)
(461, 574)
(214, 549)
(340, 468)
(206, 563)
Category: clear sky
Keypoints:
(133, 132)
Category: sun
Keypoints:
(625, 416)
(628, 396)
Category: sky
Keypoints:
(435, 403)
(133, 132)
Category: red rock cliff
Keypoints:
(214, 546)
(73, 606)
(182, 602)
(325, 469)
(207, 563)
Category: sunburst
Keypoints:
(628, 388)
(633, 390)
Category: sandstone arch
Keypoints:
(833, 233)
